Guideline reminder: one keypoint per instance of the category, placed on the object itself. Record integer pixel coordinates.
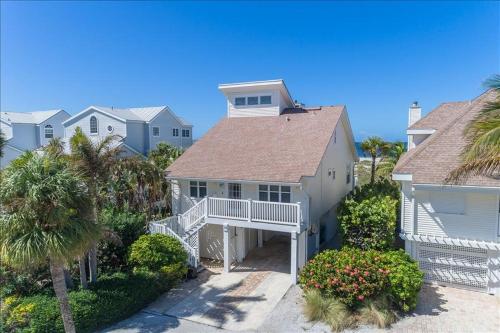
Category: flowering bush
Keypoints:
(352, 276)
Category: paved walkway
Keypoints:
(237, 301)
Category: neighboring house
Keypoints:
(451, 230)
(271, 167)
(140, 129)
(29, 131)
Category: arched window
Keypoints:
(93, 125)
(49, 132)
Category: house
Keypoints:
(271, 167)
(139, 129)
(453, 231)
(29, 130)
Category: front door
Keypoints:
(234, 191)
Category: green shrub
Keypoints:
(126, 227)
(114, 297)
(369, 223)
(350, 275)
(354, 276)
(24, 283)
(152, 252)
(405, 279)
(379, 188)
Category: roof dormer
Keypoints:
(256, 99)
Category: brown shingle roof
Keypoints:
(274, 149)
(440, 116)
(432, 160)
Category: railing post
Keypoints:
(299, 219)
(249, 210)
(206, 207)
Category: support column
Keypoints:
(260, 238)
(294, 252)
(227, 262)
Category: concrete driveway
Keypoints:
(235, 301)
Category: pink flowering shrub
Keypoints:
(350, 275)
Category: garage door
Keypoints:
(459, 266)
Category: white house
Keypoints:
(452, 230)
(140, 129)
(270, 168)
(29, 130)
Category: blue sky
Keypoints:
(375, 57)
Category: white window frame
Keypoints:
(254, 97)
(96, 125)
(48, 130)
(280, 192)
(240, 97)
(184, 130)
(240, 189)
(197, 185)
(175, 132)
(153, 130)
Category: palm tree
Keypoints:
(481, 154)
(45, 205)
(375, 146)
(164, 155)
(394, 151)
(94, 161)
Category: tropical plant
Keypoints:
(327, 309)
(394, 151)
(481, 154)
(3, 142)
(378, 312)
(94, 159)
(152, 252)
(369, 223)
(45, 206)
(164, 154)
(375, 147)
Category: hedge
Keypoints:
(114, 297)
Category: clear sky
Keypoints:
(375, 57)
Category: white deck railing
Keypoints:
(193, 215)
(255, 211)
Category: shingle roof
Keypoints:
(274, 149)
(432, 160)
(140, 114)
(35, 117)
(440, 116)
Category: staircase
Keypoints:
(185, 228)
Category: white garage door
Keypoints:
(459, 266)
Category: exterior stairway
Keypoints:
(185, 228)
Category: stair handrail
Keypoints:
(193, 215)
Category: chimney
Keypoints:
(414, 113)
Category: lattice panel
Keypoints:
(454, 264)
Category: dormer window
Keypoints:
(265, 99)
(185, 133)
(93, 125)
(240, 101)
(254, 100)
(49, 132)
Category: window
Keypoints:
(274, 193)
(447, 202)
(348, 174)
(240, 101)
(110, 129)
(234, 190)
(156, 131)
(335, 136)
(185, 133)
(197, 189)
(93, 125)
(331, 173)
(265, 99)
(254, 100)
(49, 132)
(175, 132)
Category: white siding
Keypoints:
(135, 136)
(272, 109)
(479, 221)
(166, 122)
(103, 121)
(326, 192)
(407, 208)
(56, 122)
(24, 136)
(9, 154)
